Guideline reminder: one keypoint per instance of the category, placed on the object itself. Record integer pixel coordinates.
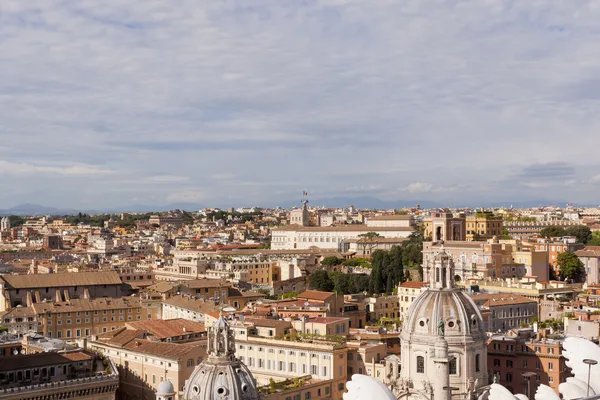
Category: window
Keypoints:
(452, 366)
(509, 364)
(324, 370)
(496, 362)
(550, 366)
(314, 369)
(420, 365)
(509, 377)
(477, 363)
(281, 366)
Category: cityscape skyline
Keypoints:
(135, 103)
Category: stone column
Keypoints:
(441, 375)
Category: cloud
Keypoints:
(31, 169)
(595, 179)
(322, 94)
(419, 187)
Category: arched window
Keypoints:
(477, 365)
(452, 366)
(420, 365)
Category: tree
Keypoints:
(369, 241)
(505, 234)
(570, 266)
(319, 280)
(552, 231)
(582, 232)
(340, 282)
(331, 261)
(595, 240)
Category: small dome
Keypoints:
(165, 388)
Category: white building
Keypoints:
(305, 237)
(396, 221)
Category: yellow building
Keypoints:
(484, 225)
(78, 318)
(407, 293)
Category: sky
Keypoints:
(110, 103)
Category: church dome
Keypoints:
(447, 310)
(221, 376)
(165, 388)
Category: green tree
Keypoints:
(505, 234)
(340, 282)
(331, 261)
(595, 240)
(582, 232)
(552, 231)
(369, 241)
(319, 280)
(15, 220)
(570, 266)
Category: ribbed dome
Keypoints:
(458, 312)
(229, 381)
(221, 376)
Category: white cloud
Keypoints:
(31, 169)
(595, 179)
(419, 187)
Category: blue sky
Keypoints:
(237, 102)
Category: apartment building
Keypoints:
(162, 220)
(85, 317)
(490, 259)
(284, 359)
(407, 293)
(522, 230)
(510, 356)
(484, 225)
(20, 321)
(322, 326)
(379, 307)
(590, 257)
(28, 289)
(144, 364)
(507, 311)
(390, 221)
(365, 358)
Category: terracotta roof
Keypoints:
(191, 304)
(413, 285)
(326, 320)
(172, 351)
(78, 356)
(162, 287)
(121, 336)
(88, 305)
(32, 361)
(315, 295)
(62, 279)
(205, 283)
(163, 329)
(269, 323)
(500, 299)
